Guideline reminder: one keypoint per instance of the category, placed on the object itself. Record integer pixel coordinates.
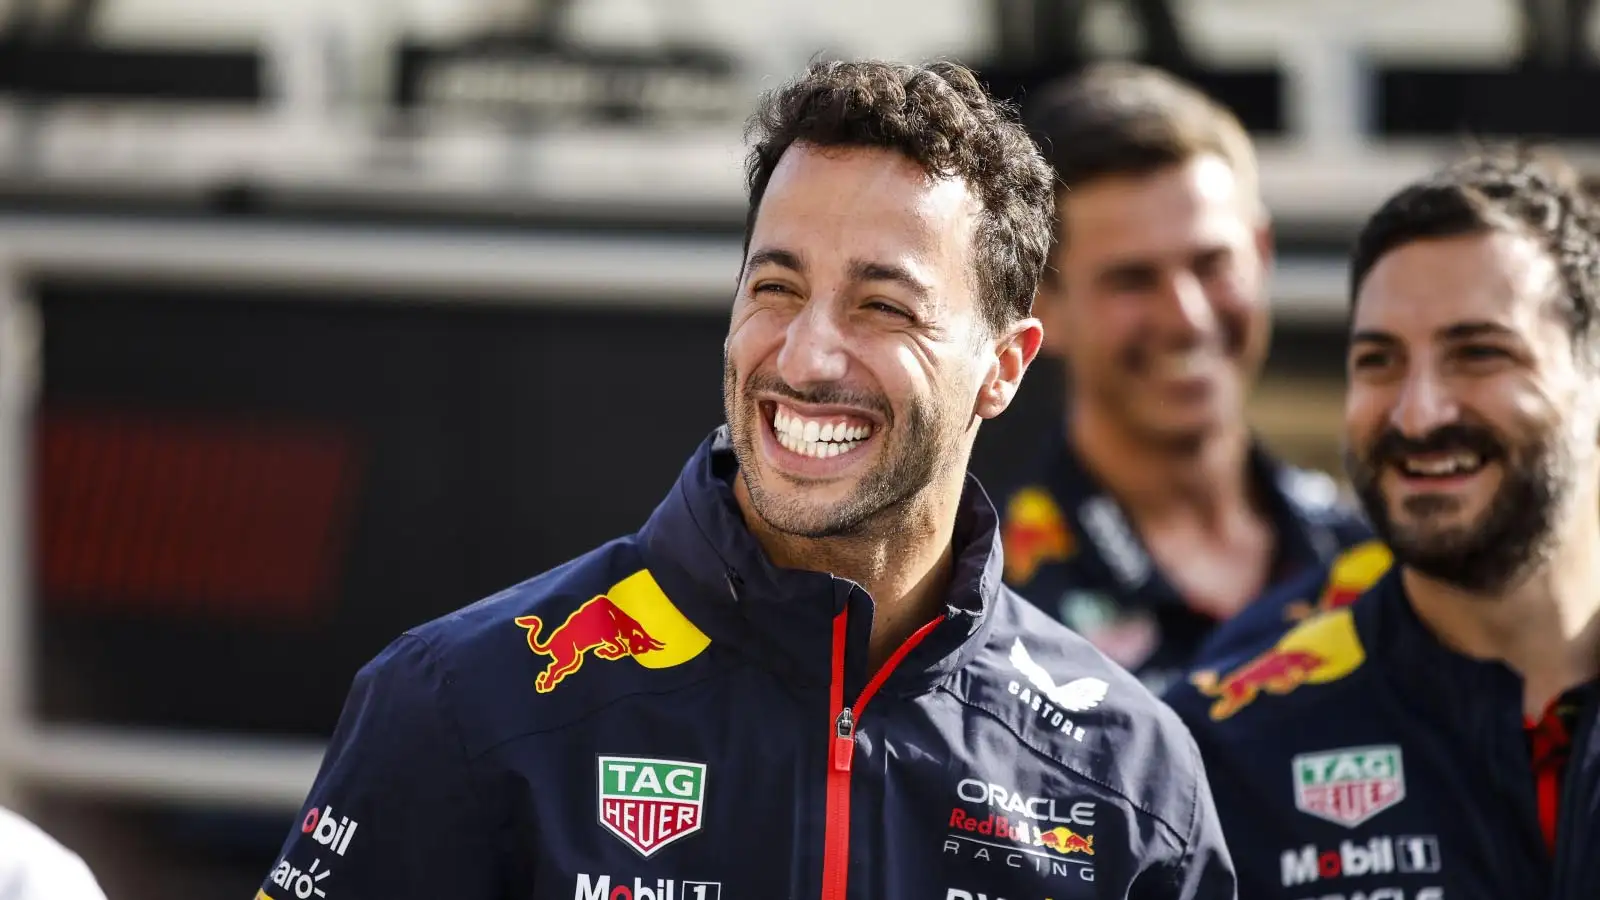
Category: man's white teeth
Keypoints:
(810, 437)
(1459, 463)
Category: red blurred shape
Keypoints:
(190, 517)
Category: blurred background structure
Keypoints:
(320, 318)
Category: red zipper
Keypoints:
(836, 828)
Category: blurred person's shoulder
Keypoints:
(1319, 589)
(35, 866)
(1317, 498)
(1296, 654)
(552, 650)
(1068, 702)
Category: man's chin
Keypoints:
(807, 521)
(1462, 556)
(798, 510)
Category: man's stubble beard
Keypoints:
(1515, 534)
(916, 450)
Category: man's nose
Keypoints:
(814, 346)
(1424, 405)
(1185, 304)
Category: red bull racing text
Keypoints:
(1021, 831)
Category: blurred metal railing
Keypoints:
(19, 354)
(315, 132)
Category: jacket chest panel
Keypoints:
(1367, 817)
(929, 819)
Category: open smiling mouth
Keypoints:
(818, 436)
(1444, 472)
(1442, 465)
(1429, 466)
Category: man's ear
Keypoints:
(1015, 350)
(1266, 246)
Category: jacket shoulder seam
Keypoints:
(592, 712)
(436, 660)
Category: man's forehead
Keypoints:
(1429, 287)
(865, 190)
(1196, 202)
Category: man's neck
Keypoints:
(903, 565)
(1207, 480)
(1546, 627)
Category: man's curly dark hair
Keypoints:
(1520, 191)
(940, 116)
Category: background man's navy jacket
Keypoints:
(1353, 755)
(1071, 550)
(671, 718)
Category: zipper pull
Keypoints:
(844, 740)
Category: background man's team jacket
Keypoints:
(672, 718)
(1353, 755)
(1071, 550)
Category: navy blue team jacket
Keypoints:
(1071, 551)
(1353, 755)
(670, 717)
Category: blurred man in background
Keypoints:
(1153, 514)
(1435, 738)
(33, 866)
(648, 720)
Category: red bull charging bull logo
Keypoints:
(633, 619)
(1035, 534)
(1064, 840)
(1319, 650)
(1352, 574)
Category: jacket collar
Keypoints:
(1303, 507)
(712, 567)
(1478, 695)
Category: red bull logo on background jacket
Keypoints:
(1353, 755)
(1071, 550)
(670, 717)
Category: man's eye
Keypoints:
(889, 308)
(1131, 282)
(1481, 352)
(1369, 360)
(770, 287)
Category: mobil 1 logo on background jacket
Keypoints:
(672, 718)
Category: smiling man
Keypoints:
(1436, 737)
(1152, 513)
(803, 677)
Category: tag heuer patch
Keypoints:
(1349, 786)
(650, 803)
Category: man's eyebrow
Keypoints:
(1458, 331)
(774, 256)
(1466, 330)
(862, 270)
(1369, 336)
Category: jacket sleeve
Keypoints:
(395, 812)
(1202, 869)
(1207, 869)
